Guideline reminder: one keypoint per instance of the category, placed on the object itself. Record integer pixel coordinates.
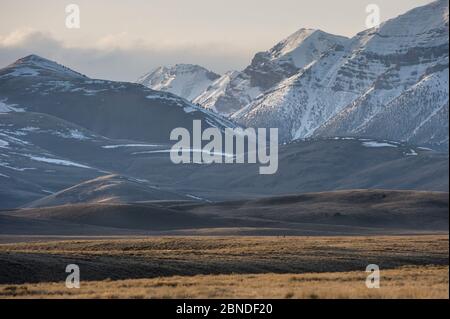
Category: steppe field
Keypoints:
(226, 267)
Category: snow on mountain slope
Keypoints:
(297, 104)
(426, 123)
(399, 110)
(421, 27)
(291, 55)
(5, 108)
(33, 65)
(184, 80)
(236, 89)
(410, 90)
(113, 109)
(228, 93)
(349, 86)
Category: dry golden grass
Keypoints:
(228, 267)
(189, 256)
(404, 282)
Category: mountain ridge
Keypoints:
(351, 86)
(316, 84)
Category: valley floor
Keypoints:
(228, 267)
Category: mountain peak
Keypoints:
(304, 46)
(302, 33)
(235, 89)
(32, 58)
(34, 65)
(188, 66)
(185, 80)
(389, 82)
(180, 68)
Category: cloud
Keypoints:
(118, 56)
(28, 39)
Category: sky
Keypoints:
(122, 40)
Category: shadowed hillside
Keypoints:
(358, 212)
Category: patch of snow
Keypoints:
(138, 180)
(189, 109)
(61, 86)
(95, 82)
(56, 161)
(165, 97)
(411, 153)
(378, 144)
(189, 150)
(7, 165)
(3, 175)
(22, 71)
(344, 138)
(198, 198)
(194, 197)
(3, 144)
(12, 139)
(129, 145)
(6, 108)
(88, 92)
(106, 200)
(16, 132)
(30, 129)
(73, 134)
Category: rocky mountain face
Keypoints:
(230, 92)
(236, 89)
(185, 80)
(389, 82)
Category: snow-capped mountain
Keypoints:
(112, 109)
(185, 80)
(389, 82)
(59, 128)
(236, 89)
(34, 65)
(291, 55)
